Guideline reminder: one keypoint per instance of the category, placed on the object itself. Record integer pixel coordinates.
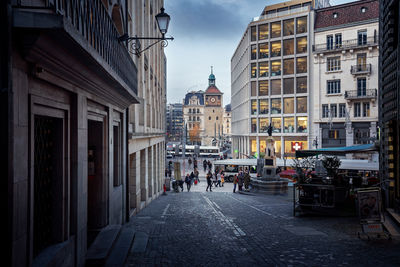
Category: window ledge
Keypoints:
(336, 94)
(333, 71)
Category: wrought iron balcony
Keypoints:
(361, 69)
(347, 44)
(361, 94)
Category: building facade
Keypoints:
(389, 102)
(147, 124)
(270, 73)
(226, 130)
(193, 116)
(174, 119)
(345, 76)
(69, 86)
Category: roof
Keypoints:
(212, 89)
(228, 108)
(346, 13)
(199, 95)
(336, 150)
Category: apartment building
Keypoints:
(174, 118)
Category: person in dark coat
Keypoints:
(188, 181)
(246, 180)
(209, 183)
(205, 165)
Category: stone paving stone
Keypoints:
(201, 228)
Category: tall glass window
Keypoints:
(301, 25)
(301, 105)
(288, 125)
(276, 87)
(263, 69)
(329, 42)
(288, 47)
(333, 87)
(361, 86)
(253, 54)
(263, 106)
(366, 109)
(253, 70)
(342, 110)
(333, 63)
(301, 45)
(288, 85)
(253, 107)
(276, 68)
(288, 27)
(288, 66)
(301, 85)
(253, 88)
(301, 65)
(262, 88)
(263, 32)
(253, 31)
(276, 124)
(288, 105)
(253, 125)
(263, 126)
(276, 29)
(276, 106)
(276, 49)
(362, 37)
(263, 50)
(301, 124)
(357, 109)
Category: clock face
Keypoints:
(212, 99)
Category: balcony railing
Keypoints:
(92, 22)
(361, 69)
(361, 94)
(347, 44)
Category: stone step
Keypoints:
(394, 215)
(140, 242)
(391, 226)
(100, 249)
(121, 248)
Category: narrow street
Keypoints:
(221, 228)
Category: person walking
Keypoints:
(215, 180)
(209, 184)
(209, 165)
(241, 180)
(222, 179)
(205, 165)
(188, 182)
(190, 162)
(196, 175)
(219, 179)
(194, 164)
(235, 181)
(246, 180)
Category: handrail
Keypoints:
(346, 44)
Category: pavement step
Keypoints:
(394, 215)
(121, 248)
(101, 247)
(391, 227)
(140, 242)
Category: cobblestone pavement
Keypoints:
(221, 228)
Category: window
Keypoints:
(334, 110)
(366, 110)
(301, 25)
(288, 105)
(363, 9)
(263, 32)
(209, 118)
(288, 66)
(301, 105)
(301, 46)
(361, 86)
(288, 86)
(288, 125)
(333, 134)
(253, 107)
(301, 85)
(262, 88)
(253, 125)
(263, 69)
(301, 124)
(276, 68)
(190, 110)
(361, 136)
(338, 40)
(276, 49)
(276, 124)
(362, 37)
(335, 15)
(253, 52)
(329, 42)
(325, 111)
(263, 106)
(288, 27)
(288, 47)
(333, 64)
(342, 110)
(301, 65)
(275, 106)
(253, 88)
(333, 87)
(253, 31)
(276, 87)
(263, 125)
(357, 109)
(276, 29)
(263, 50)
(253, 70)
(361, 62)
(216, 118)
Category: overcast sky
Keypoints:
(206, 34)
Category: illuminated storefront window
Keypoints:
(262, 88)
(263, 50)
(288, 125)
(288, 27)
(301, 124)
(263, 126)
(253, 146)
(288, 66)
(263, 69)
(292, 146)
(276, 106)
(263, 106)
(276, 125)
(276, 68)
(301, 45)
(276, 29)
(288, 105)
(288, 47)
(263, 32)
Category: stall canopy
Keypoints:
(337, 150)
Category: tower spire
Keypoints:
(211, 69)
(211, 78)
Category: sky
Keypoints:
(206, 34)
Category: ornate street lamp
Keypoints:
(315, 142)
(162, 19)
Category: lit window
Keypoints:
(253, 70)
(263, 106)
(301, 45)
(288, 105)
(276, 49)
(288, 66)
(301, 85)
(301, 124)
(288, 47)
(301, 25)
(276, 68)
(253, 33)
(263, 50)
(263, 32)
(253, 52)
(263, 125)
(288, 27)
(263, 88)
(263, 69)
(288, 125)
(253, 107)
(301, 65)
(276, 29)
(276, 106)
(301, 105)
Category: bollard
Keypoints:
(165, 190)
